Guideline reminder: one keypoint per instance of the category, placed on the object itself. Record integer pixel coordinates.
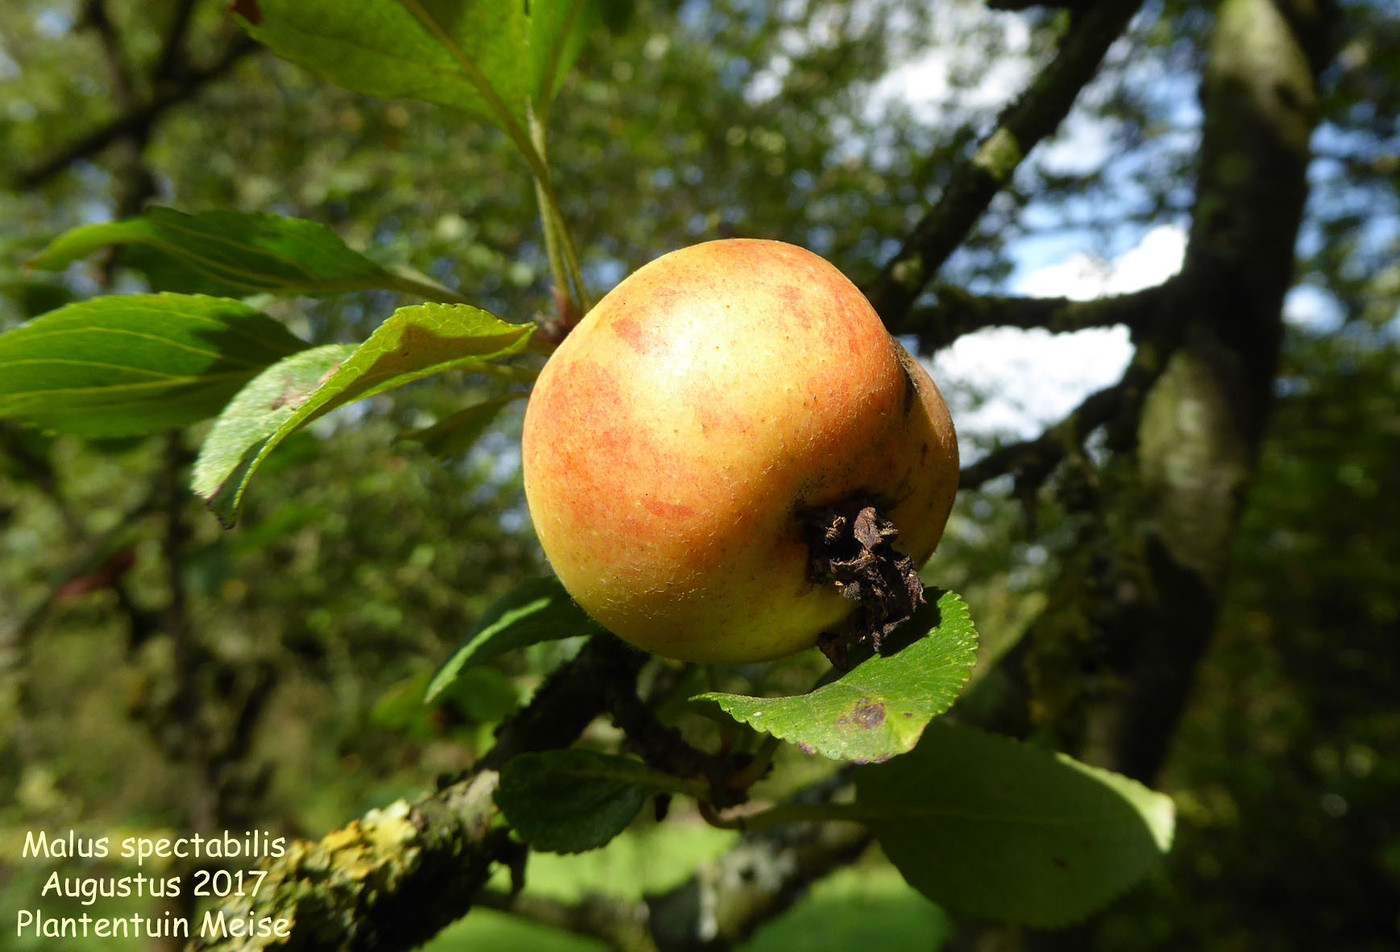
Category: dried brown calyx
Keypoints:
(852, 547)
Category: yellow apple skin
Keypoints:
(676, 438)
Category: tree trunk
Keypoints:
(1108, 666)
(1204, 418)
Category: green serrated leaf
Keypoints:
(259, 411)
(456, 434)
(468, 54)
(990, 827)
(534, 611)
(134, 364)
(568, 801)
(413, 343)
(878, 709)
(226, 252)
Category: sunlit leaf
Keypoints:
(879, 708)
(414, 343)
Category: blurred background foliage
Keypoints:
(291, 701)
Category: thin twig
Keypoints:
(1035, 459)
(135, 122)
(96, 16)
(1020, 127)
(956, 312)
(172, 49)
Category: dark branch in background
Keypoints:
(96, 16)
(37, 468)
(618, 923)
(173, 50)
(1204, 421)
(96, 551)
(1109, 665)
(188, 738)
(1033, 460)
(1150, 315)
(567, 702)
(666, 749)
(203, 721)
(1020, 127)
(756, 880)
(956, 312)
(138, 121)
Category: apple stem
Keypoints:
(851, 546)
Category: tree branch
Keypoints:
(135, 122)
(394, 878)
(1109, 665)
(1033, 460)
(568, 701)
(756, 880)
(1204, 419)
(1020, 127)
(1150, 314)
(957, 312)
(172, 49)
(620, 923)
(667, 750)
(96, 16)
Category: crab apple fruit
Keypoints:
(682, 433)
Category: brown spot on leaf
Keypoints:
(320, 381)
(290, 396)
(866, 715)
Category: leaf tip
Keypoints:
(224, 510)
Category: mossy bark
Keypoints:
(1108, 666)
(395, 877)
(1199, 434)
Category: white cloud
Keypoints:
(1083, 276)
(1006, 381)
(1012, 382)
(963, 36)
